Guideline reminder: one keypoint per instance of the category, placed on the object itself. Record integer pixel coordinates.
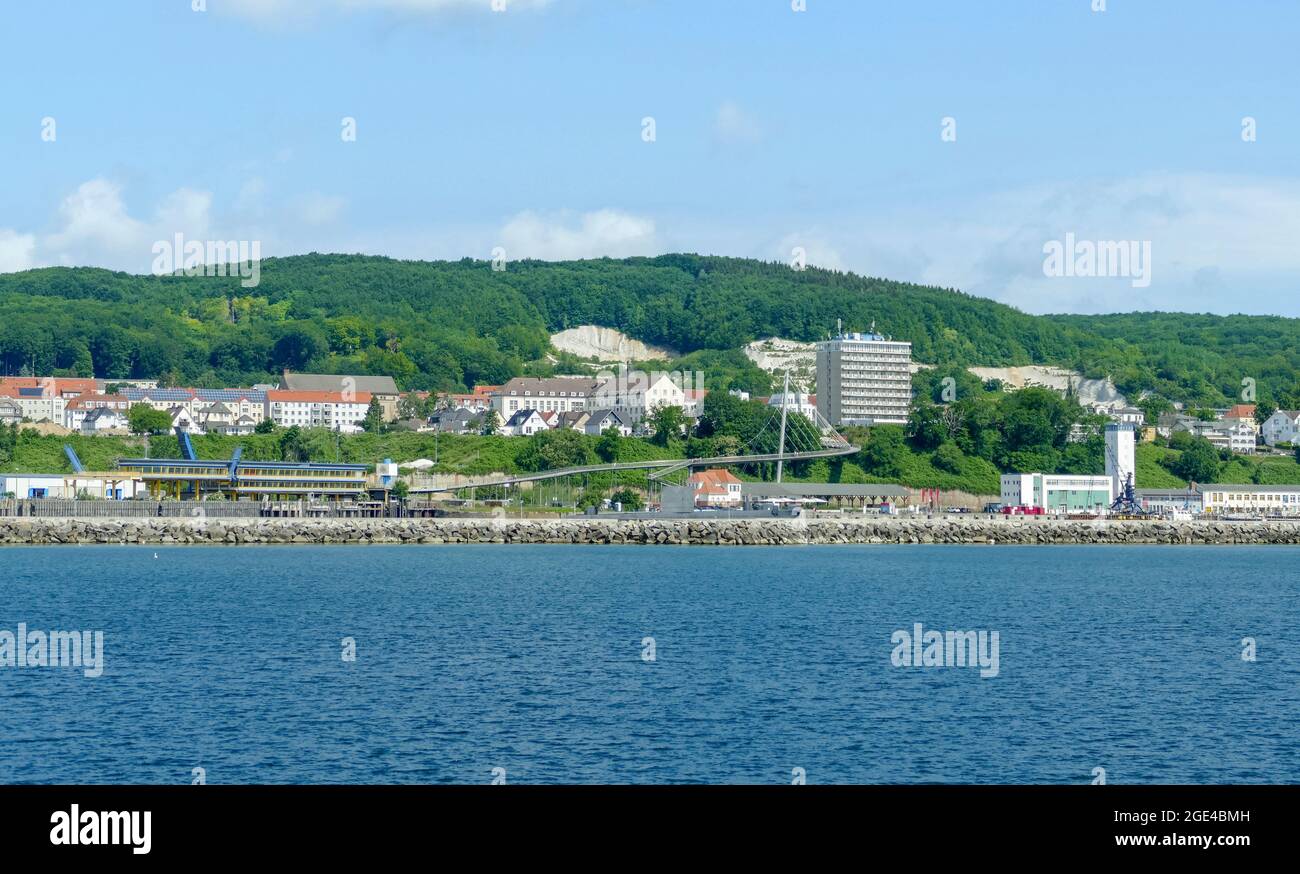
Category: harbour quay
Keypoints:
(681, 531)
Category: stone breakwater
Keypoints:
(639, 531)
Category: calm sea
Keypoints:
(535, 660)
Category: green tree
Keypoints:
(554, 449)
(1264, 411)
(883, 454)
(609, 445)
(668, 422)
(374, 421)
(948, 457)
(1199, 463)
(265, 426)
(400, 490)
(629, 498)
(144, 419)
(925, 425)
(490, 423)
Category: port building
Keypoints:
(246, 480)
(1057, 493)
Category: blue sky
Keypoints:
(774, 129)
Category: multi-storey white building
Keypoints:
(864, 379)
(337, 411)
(634, 395)
(558, 394)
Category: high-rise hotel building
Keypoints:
(864, 379)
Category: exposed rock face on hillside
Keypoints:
(1089, 391)
(607, 344)
(775, 355)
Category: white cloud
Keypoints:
(319, 209)
(94, 220)
(96, 229)
(564, 236)
(817, 251)
(735, 125)
(17, 251)
(1218, 244)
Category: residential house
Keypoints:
(1282, 427)
(457, 421)
(11, 413)
(78, 408)
(214, 418)
(1242, 413)
(524, 423)
(1232, 434)
(599, 420)
(183, 420)
(715, 488)
(241, 402)
(103, 420)
(382, 388)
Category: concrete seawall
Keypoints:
(639, 531)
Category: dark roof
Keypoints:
(383, 385)
(521, 417)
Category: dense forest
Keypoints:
(449, 325)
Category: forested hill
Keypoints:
(443, 325)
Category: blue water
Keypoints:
(767, 659)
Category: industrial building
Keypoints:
(246, 480)
(1057, 493)
(35, 486)
(864, 379)
(1167, 501)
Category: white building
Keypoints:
(864, 379)
(1057, 493)
(40, 404)
(525, 423)
(559, 394)
(1282, 427)
(1171, 500)
(103, 420)
(635, 395)
(344, 412)
(77, 409)
(28, 486)
(1121, 461)
(796, 402)
(1261, 500)
(1236, 435)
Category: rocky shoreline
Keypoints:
(48, 531)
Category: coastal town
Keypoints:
(863, 381)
